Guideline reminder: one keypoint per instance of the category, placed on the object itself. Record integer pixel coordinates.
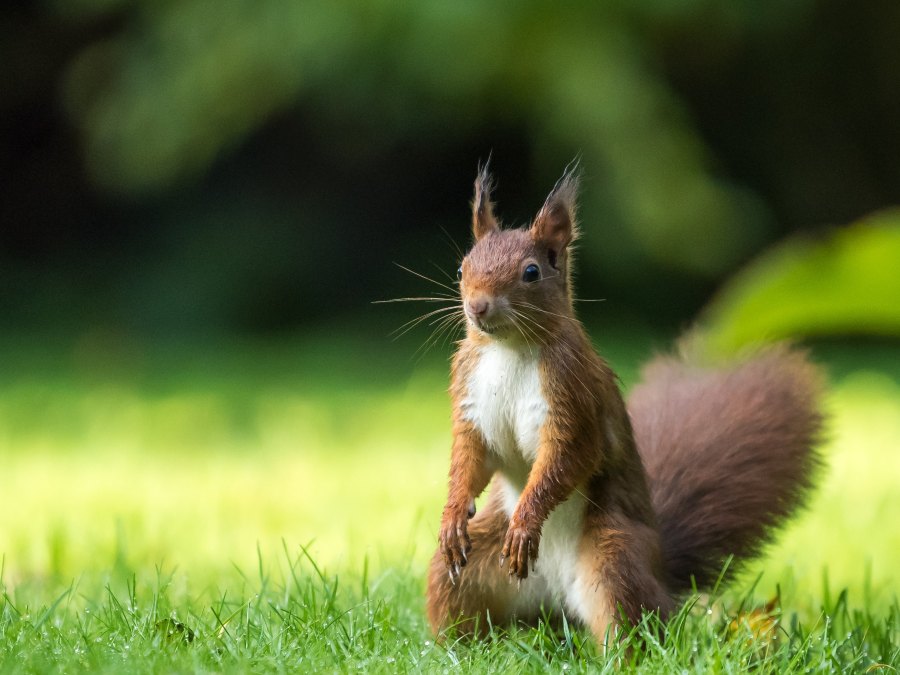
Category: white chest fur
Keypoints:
(506, 403)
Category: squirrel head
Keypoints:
(516, 282)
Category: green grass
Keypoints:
(279, 503)
(297, 618)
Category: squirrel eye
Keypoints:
(459, 273)
(532, 273)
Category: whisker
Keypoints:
(412, 323)
(452, 325)
(540, 340)
(518, 327)
(443, 271)
(581, 361)
(445, 317)
(422, 299)
(539, 331)
(422, 276)
(428, 343)
(587, 390)
(433, 338)
(588, 498)
(556, 276)
(459, 251)
(444, 324)
(540, 309)
(446, 331)
(568, 368)
(531, 329)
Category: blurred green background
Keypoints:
(199, 202)
(255, 166)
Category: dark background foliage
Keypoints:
(190, 166)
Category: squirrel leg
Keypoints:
(620, 574)
(482, 587)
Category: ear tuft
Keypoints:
(483, 220)
(556, 223)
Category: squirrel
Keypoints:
(599, 509)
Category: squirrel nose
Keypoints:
(479, 307)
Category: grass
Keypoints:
(300, 619)
(278, 502)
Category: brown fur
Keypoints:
(728, 453)
(724, 455)
(482, 593)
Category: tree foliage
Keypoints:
(707, 130)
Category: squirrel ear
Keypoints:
(555, 224)
(483, 220)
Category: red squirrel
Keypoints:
(599, 509)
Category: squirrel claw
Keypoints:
(453, 572)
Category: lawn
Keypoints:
(271, 505)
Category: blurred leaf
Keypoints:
(182, 89)
(755, 625)
(848, 283)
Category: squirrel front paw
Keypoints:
(455, 542)
(520, 548)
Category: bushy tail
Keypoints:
(730, 454)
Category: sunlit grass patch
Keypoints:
(197, 479)
(175, 479)
(848, 530)
(192, 501)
